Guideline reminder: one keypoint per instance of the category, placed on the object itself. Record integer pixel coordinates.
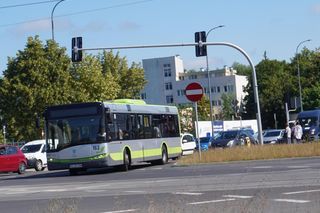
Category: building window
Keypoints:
(219, 103)
(181, 78)
(193, 77)
(166, 65)
(178, 92)
(168, 86)
(169, 99)
(225, 89)
(218, 89)
(143, 96)
(167, 72)
(230, 88)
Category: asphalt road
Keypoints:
(288, 185)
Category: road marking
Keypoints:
(292, 201)
(261, 167)
(301, 192)
(211, 201)
(187, 193)
(298, 167)
(120, 211)
(238, 196)
(135, 191)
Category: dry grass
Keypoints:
(253, 153)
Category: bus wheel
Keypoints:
(126, 161)
(164, 156)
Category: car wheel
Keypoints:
(22, 168)
(38, 165)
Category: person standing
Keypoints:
(288, 133)
(298, 132)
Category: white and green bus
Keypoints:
(113, 133)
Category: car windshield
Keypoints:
(31, 148)
(227, 135)
(272, 133)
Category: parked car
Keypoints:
(35, 152)
(231, 138)
(273, 136)
(205, 143)
(12, 159)
(188, 144)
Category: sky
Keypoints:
(272, 26)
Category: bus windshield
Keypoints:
(68, 132)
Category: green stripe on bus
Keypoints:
(78, 160)
(116, 156)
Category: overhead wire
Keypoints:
(77, 13)
(27, 4)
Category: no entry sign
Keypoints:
(194, 92)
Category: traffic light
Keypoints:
(76, 54)
(200, 37)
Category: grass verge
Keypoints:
(256, 152)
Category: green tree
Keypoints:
(274, 86)
(227, 106)
(309, 65)
(204, 109)
(131, 80)
(90, 83)
(37, 77)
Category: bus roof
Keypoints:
(138, 106)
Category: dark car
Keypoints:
(12, 159)
(205, 143)
(231, 138)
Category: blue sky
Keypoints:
(274, 26)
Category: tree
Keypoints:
(186, 118)
(90, 83)
(204, 109)
(131, 80)
(227, 106)
(37, 77)
(274, 83)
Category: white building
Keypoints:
(167, 80)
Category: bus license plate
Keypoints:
(74, 166)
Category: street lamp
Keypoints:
(300, 93)
(209, 81)
(52, 25)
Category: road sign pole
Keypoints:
(197, 129)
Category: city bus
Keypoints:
(113, 133)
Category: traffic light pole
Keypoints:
(255, 85)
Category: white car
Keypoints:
(188, 144)
(35, 152)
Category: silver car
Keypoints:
(273, 136)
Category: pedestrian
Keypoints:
(288, 134)
(293, 130)
(298, 132)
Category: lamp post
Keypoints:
(299, 81)
(209, 80)
(52, 25)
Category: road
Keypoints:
(287, 185)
